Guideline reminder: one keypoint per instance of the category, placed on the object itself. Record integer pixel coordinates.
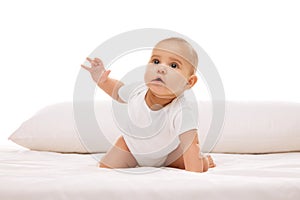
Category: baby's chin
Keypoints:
(160, 90)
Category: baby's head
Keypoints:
(171, 69)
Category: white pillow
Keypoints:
(259, 127)
(249, 127)
(54, 129)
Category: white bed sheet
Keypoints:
(34, 175)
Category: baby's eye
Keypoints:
(174, 65)
(155, 61)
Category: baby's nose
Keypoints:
(161, 69)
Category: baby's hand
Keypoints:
(97, 71)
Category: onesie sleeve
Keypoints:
(186, 118)
(126, 90)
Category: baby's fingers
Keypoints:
(89, 59)
(93, 62)
(96, 62)
(85, 67)
(104, 76)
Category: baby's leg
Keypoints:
(119, 156)
(179, 162)
(175, 158)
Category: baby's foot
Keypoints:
(211, 163)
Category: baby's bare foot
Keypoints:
(210, 161)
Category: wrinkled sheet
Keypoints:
(35, 175)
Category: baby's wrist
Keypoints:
(102, 83)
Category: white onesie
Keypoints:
(152, 135)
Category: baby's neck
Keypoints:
(155, 102)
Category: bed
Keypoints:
(36, 175)
(29, 169)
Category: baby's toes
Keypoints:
(211, 162)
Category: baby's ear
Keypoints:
(192, 81)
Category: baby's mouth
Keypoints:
(158, 79)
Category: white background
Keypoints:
(255, 46)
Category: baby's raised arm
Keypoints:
(100, 76)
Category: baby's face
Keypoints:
(168, 73)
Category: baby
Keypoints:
(161, 102)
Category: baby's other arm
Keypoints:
(100, 76)
(191, 151)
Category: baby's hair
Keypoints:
(194, 56)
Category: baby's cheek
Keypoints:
(177, 84)
(147, 76)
